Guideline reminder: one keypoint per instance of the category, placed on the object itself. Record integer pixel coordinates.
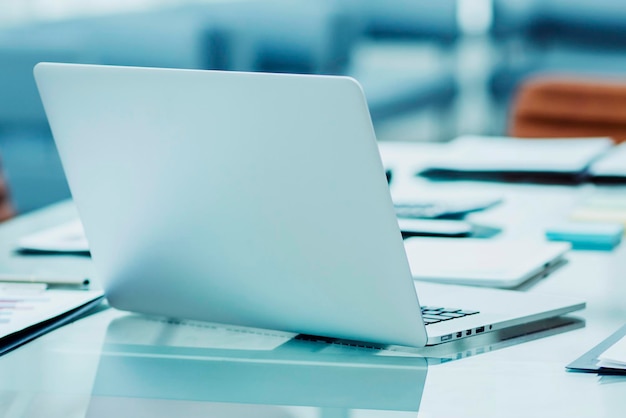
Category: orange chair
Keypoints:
(6, 208)
(553, 107)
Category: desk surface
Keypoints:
(117, 364)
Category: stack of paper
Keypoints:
(515, 159)
(67, 238)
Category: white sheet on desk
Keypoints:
(454, 200)
(152, 330)
(506, 154)
(67, 237)
(614, 356)
(612, 164)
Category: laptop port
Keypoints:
(480, 329)
(446, 337)
(459, 334)
(468, 332)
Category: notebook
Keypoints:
(479, 262)
(67, 237)
(251, 199)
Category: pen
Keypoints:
(60, 281)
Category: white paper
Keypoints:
(67, 237)
(149, 330)
(611, 165)
(615, 356)
(478, 153)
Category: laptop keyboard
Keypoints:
(433, 314)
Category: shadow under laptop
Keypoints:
(470, 346)
(151, 367)
(496, 340)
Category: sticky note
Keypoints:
(587, 235)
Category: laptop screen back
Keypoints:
(243, 198)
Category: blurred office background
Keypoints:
(431, 70)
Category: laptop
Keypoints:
(251, 199)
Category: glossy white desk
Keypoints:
(113, 364)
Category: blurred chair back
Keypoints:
(20, 105)
(176, 37)
(6, 208)
(556, 36)
(294, 36)
(552, 106)
(412, 19)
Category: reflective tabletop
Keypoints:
(118, 364)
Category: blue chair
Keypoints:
(283, 35)
(411, 19)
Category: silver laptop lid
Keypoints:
(244, 198)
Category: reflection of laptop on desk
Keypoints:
(187, 365)
(251, 199)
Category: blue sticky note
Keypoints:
(587, 235)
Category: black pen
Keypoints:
(50, 281)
